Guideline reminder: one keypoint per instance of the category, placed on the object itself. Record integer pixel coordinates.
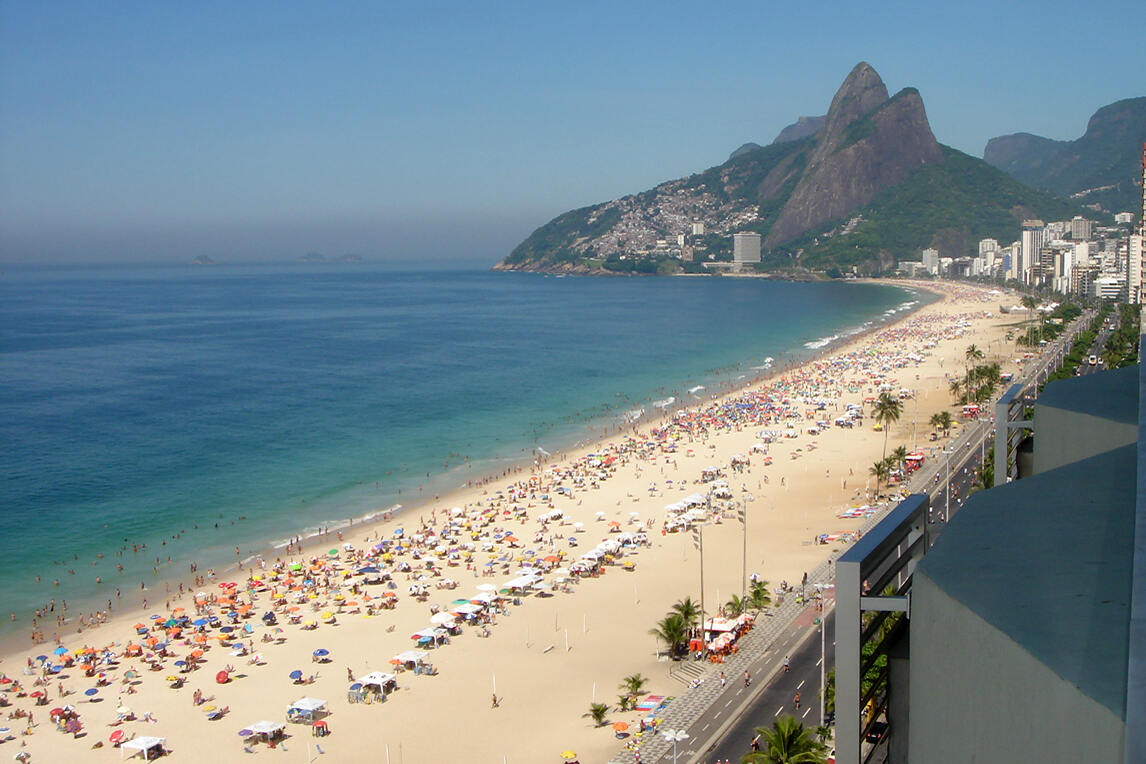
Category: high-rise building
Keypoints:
(988, 245)
(1034, 235)
(931, 261)
(1080, 228)
(745, 248)
(698, 228)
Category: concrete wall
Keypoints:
(976, 696)
(1063, 437)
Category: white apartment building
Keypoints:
(745, 249)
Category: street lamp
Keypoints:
(674, 736)
(947, 488)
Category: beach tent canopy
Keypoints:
(141, 744)
(377, 677)
(265, 727)
(415, 656)
(307, 708)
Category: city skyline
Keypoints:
(449, 132)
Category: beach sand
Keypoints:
(548, 658)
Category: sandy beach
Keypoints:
(562, 647)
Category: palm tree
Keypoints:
(597, 712)
(633, 686)
(879, 472)
(973, 354)
(945, 422)
(673, 631)
(688, 610)
(899, 457)
(736, 605)
(787, 741)
(956, 388)
(1030, 302)
(758, 596)
(887, 411)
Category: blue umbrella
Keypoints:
(356, 686)
(41, 658)
(245, 733)
(296, 674)
(60, 650)
(156, 617)
(180, 663)
(159, 646)
(321, 652)
(368, 569)
(199, 622)
(91, 691)
(227, 629)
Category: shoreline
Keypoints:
(604, 620)
(593, 435)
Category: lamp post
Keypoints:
(947, 488)
(674, 736)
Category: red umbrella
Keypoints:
(222, 677)
(115, 737)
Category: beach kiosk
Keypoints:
(307, 710)
(149, 747)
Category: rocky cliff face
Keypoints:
(801, 128)
(1100, 167)
(868, 143)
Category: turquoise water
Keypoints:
(193, 410)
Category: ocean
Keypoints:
(154, 416)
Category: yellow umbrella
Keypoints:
(568, 755)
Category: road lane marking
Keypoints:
(805, 714)
(801, 684)
(778, 710)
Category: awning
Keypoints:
(377, 677)
(141, 744)
(265, 727)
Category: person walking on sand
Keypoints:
(494, 701)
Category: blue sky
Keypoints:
(449, 130)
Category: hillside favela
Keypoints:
(357, 405)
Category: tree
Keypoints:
(736, 605)
(597, 712)
(879, 472)
(688, 610)
(1030, 302)
(973, 354)
(787, 741)
(945, 421)
(633, 686)
(887, 411)
(899, 457)
(830, 693)
(758, 596)
(673, 631)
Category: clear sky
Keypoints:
(449, 130)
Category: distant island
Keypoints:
(318, 257)
(203, 260)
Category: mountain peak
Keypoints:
(869, 142)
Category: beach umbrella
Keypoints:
(222, 677)
(180, 663)
(42, 658)
(569, 755)
(620, 726)
(60, 650)
(321, 652)
(296, 675)
(245, 733)
(115, 737)
(199, 622)
(91, 691)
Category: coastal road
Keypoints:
(776, 699)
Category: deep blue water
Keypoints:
(135, 404)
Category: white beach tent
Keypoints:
(142, 745)
(306, 709)
(265, 728)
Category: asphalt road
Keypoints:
(777, 699)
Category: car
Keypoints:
(876, 732)
(1093, 360)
